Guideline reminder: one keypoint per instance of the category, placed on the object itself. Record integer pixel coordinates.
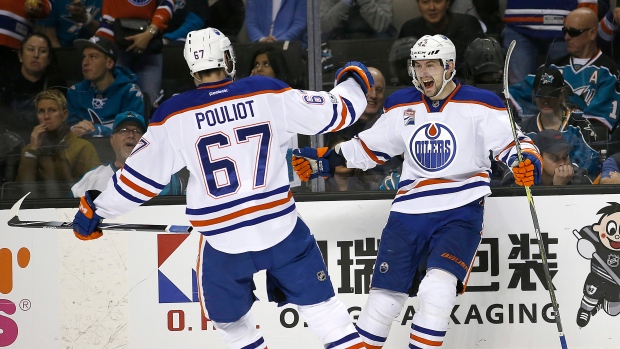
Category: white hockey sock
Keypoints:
(330, 321)
(375, 321)
(437, 296)
(241, 333)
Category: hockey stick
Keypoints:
(14, 221)
(530, 199)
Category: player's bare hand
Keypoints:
(563, 174)
(140, 42)
(37, 135)
(614, 174)
(82, 128)
(617, 15)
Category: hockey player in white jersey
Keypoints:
(445, 131)
(232, 138)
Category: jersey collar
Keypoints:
(216, 84)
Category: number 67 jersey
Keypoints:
(232, 138)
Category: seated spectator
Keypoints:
(70, 20)
(128, 129)
(460, 28)
(557, 166)
(266, 24)
(357, 19)
(372, 178)
(134, 52)
(400, 54)
(483, 62)
(188, 16)
(38, 71)
(590, 74)
(227, 16)
(549, 94)
(54, 154)
(537, 28)
(269, 61)
(106, 90)
(611, 170)
(16, 19)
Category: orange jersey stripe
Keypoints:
(371, 154)
(357, 346)
(343, 115)
(136, 187)
(368, 346)
(439, 181)
(524, 19)
(218, 101)
(425, 341)
(401, 105)
(237, 214)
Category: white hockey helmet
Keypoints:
(208, 49)
(433, 47)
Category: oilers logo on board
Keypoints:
(433, 146)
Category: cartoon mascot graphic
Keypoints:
(600, 243)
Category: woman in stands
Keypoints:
(55, 155)
(39, 71)
(268, 61)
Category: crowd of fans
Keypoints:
(564, 77)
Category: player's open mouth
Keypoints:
(428, 83)
(614, 244)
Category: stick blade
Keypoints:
(14, 213)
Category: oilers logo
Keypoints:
(139, 2)
(433, 146)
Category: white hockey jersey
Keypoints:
(232, 137)
(446, 146)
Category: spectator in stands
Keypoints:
(460, 28)
(265, 23)
(227, 16)
(557, 166)
(483, 62)
(400, 53)
(105, 91)
(142, 54)
(54, 154)
(357, 19)
(11, 145)
(486, 11)
(128, 129)
(549, 94)
(70, 20)
(188, 16)
(537, 28)
(590, 74)
(16, 18)
(268, 61)
(18, 89)
(372, 178)
(611, 170)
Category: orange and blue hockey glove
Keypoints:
(310, 163)
(86, 220)
(527, 172)
(357, 71)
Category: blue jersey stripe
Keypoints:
(250, 222)
(213, 209)
(256, 344)
(351, 110)
(143, 178)
(440, 191)
(124, 193)
(331, 123)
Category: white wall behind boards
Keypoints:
(136, 290)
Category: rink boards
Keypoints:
(137, 290)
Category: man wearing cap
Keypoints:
(557, 166)
(549, 93)
(106, 90)
(589, 73)
(128, 129)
